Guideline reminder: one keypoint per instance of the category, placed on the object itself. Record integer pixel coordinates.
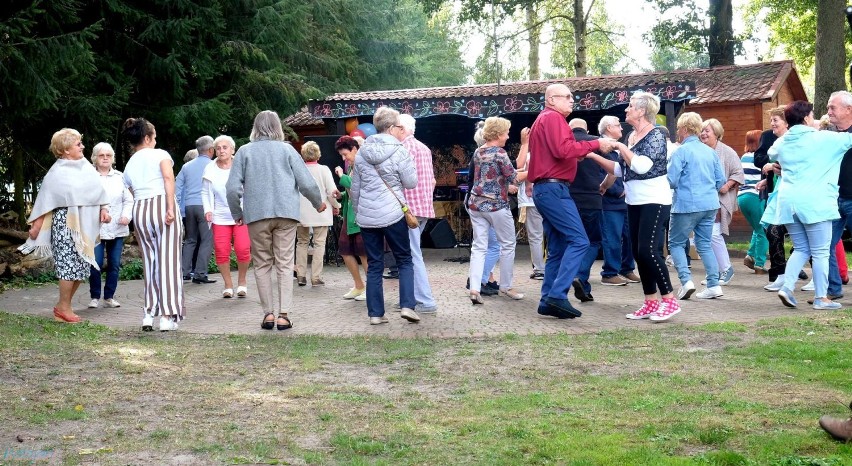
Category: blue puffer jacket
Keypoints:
(375, 206)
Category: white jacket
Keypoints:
(375, 206)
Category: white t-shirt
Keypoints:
(213, 194)
(652, 191)
(142, 173)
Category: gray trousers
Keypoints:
(198, 235)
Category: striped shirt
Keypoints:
(420, 198)
(751, 173)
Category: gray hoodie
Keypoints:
(375, 206)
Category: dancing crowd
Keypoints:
(625, 196)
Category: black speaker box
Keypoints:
(438, 235)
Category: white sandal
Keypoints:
(228, 293)
(242, 291)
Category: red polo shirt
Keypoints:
(553, 150)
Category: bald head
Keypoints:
(578, 123)
(558, 97)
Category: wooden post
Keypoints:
(671, 121)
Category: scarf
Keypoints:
(74, 184)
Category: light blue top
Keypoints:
(695, 175)
(810, 166)
(188, 183)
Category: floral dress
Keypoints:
(493, 172)
(69, 263)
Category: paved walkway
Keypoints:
(321, 311)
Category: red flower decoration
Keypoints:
(325, 110)
(407, 108)
(442, 107)
(351, 109)
(670, 91)
(473, 107)
(588, 101)
(512, 104)
(621, 96)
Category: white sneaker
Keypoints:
(686, 290)
(409, 315)
(147, 323)
(776, 285)
(809, 286)
(353, 293)
(362, 296)
(378, 320)
(111, 303)
(167, 324)
(93, 303)
(710, 293)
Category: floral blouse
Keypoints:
(493, 172)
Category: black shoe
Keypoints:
(537, 275)
(546, 310)
(187, 278)
(486, 290)
(803, 275)
(580, 293)
(392, 275)
(492, 285)
(202, 279)
(564, 307)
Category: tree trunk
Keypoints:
(720, 45)
(830, 59)
(535, 42)
(579, 39)
(18, 180)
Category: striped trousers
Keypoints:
(160, 245)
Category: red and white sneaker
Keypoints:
(669, 308)
(644, 312)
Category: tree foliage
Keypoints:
(687, 26)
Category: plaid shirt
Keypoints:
(420, 198)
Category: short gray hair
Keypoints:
(226, 138)
(190, 155)
(203, 144)
(407, 122)
(102, 147)
(606, 122)
(385, 118)
(478, 137)
(647, 102)
(845, 97)
(267, 125)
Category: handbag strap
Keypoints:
(388, 186)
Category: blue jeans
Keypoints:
(396, 236)
(113, 249)
(422, 288)
(680, 227)
(615, 240)
(591, 219)
(566, 238)
(809, 241)
(492, 254)
(844, 205)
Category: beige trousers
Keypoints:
(273, 241)
(303, 236)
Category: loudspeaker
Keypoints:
(438, 235)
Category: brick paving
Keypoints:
(321, 311)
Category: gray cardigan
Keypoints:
(268, 176)
(375, 206)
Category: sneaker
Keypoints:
(831, 297)
(787, 297)
(760, 270)
(425, 309)
(378, 320)
(825, 305)
(168, 324)
(111, 303)
(631, 277)
(748, 261)
(644, 312)
(147, 323)
(317, 282)
(537, 275)
(614, 280)
(710, 293)
(776, 285)
(94, 303)
(409, 315)
(668, 309)
(726, 276)
(301, 281)
(704, 282)
(354, 293)
(361, 297)
(809, 286)
(686, 290)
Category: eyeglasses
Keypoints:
(569, 97)
(397, 126)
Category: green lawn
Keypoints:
(720, 394)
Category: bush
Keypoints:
(131, 270)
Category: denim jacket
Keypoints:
(695, 175)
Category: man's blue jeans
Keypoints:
(679, 228)
(397, 238)
(566, 238)
(844, 206)
(591, 219)
(615, 241)
(113, 249)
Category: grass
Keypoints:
(719, 394)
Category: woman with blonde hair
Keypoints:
(66, 217)
(311, 220)
(225, 229)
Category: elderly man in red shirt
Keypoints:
(554, 154)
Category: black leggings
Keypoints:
(647, 233)
(775, 235)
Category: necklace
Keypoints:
(635, 136)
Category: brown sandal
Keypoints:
(268, 324)
(283, 326)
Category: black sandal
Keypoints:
(285, 326)
(268, 324)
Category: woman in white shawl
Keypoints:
(66, 217)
